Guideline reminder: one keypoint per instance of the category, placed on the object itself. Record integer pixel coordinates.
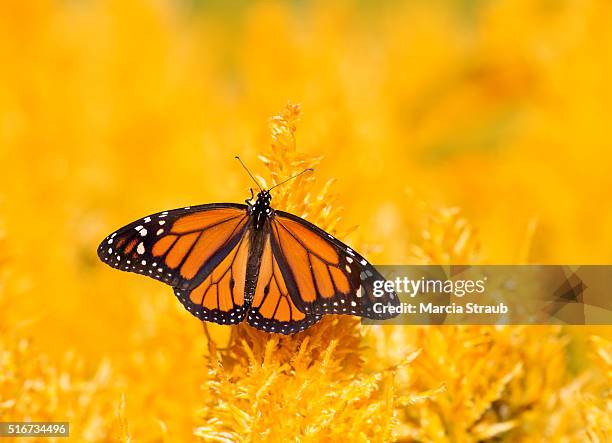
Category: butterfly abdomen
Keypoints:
(254, 263)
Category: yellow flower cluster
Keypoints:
(455, 132)
(308, 387)
(597, 409)
(313, 385)
(449, 383)
(37, 387)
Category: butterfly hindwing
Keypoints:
(179, 246)
(325, 276)
(273, 308)
(220, 296)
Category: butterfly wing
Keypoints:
(179, 246)
(220, 296)
(201, 251)
(273, 308)
(323, 275)
(305, 273)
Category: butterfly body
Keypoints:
(260, 213)
(229, 262)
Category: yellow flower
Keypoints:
(313, 385)
(490, 382)
(37, 387)
(596, 406)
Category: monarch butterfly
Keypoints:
(227, 262)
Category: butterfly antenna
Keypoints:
(291, 178)
(249, 172)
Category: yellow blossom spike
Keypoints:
(313, 379)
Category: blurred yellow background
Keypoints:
(111, 110)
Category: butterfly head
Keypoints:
(263, 199)
(261, 210)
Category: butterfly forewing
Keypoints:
(324, 275)
(178, 247)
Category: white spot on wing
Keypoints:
(140, 249)
(143, 232)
